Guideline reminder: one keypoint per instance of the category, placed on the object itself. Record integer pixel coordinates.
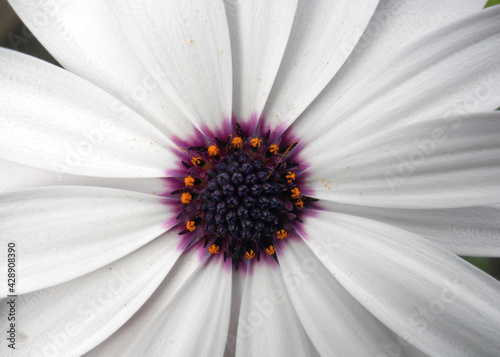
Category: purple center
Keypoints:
(241, 195)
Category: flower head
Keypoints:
(184, 134)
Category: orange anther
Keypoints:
(190, 226)
(213, 150)
(189, 181)
(186, 198)
(295, 192)
(196, 160)
(214, 249)
(250, 254)
(274, 149)
(270, 250)
(282, 234)
(256, 143)
(290, 176)
(237, 142)
(299, 203)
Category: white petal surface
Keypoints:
(53, 120)
(323, 35)
(169, 60)
(268, 324)
(427, 295)
(17, 177)
(195, 322)
(454, 70)
(71, 318)
(435, 163)
(472, 231)
(130, 334)
(78, 228)
(336, 323)
(259, 34)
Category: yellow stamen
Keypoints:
(250, 254)
(299, 203)
(274, 149)
(290, 176)
(190, 226)
(237, 142)
(189, 181)
(213, 150)
(288, 149)
(196, 160)
(256, 143)
(270, 250)
(186, 198)
(282, 234)
(214, 249)
(295, 192)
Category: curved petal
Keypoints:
(471, 231)
(130, 334)
(454, 70)
(335, 322)
(195, 322)
(259, 34)
(437, 163)
(323, 35)
(169, 60)
(17, 177)
(71, 318)
(78, 228)
(428, 296)
(268, 324)
(53, 120)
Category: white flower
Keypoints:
(392, 104)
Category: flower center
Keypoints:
(241, 195)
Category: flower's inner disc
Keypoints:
(241, 195)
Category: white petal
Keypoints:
(195, 323)
(472, 231)
(53, 120)
(454, 70)
(78, 228)
(323, 35)
(259, 34)
(268, 324)
(427, 295)
(336, 323)
(238, 287)
(435, 163)
(71, 318)
(17, 177)
(143, 54)
(130, 334)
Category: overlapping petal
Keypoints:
(189, 326)
(66, 232)
(337, 324)
(268, 324)
(435, 163)
(322, 38)
(54, 120)
(71, 318)
(428, 296)
(259, 34)
(454, 70)
(169, 60)
(471, 231)
(130, 334)
(19, 177)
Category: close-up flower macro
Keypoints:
(250, 178)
